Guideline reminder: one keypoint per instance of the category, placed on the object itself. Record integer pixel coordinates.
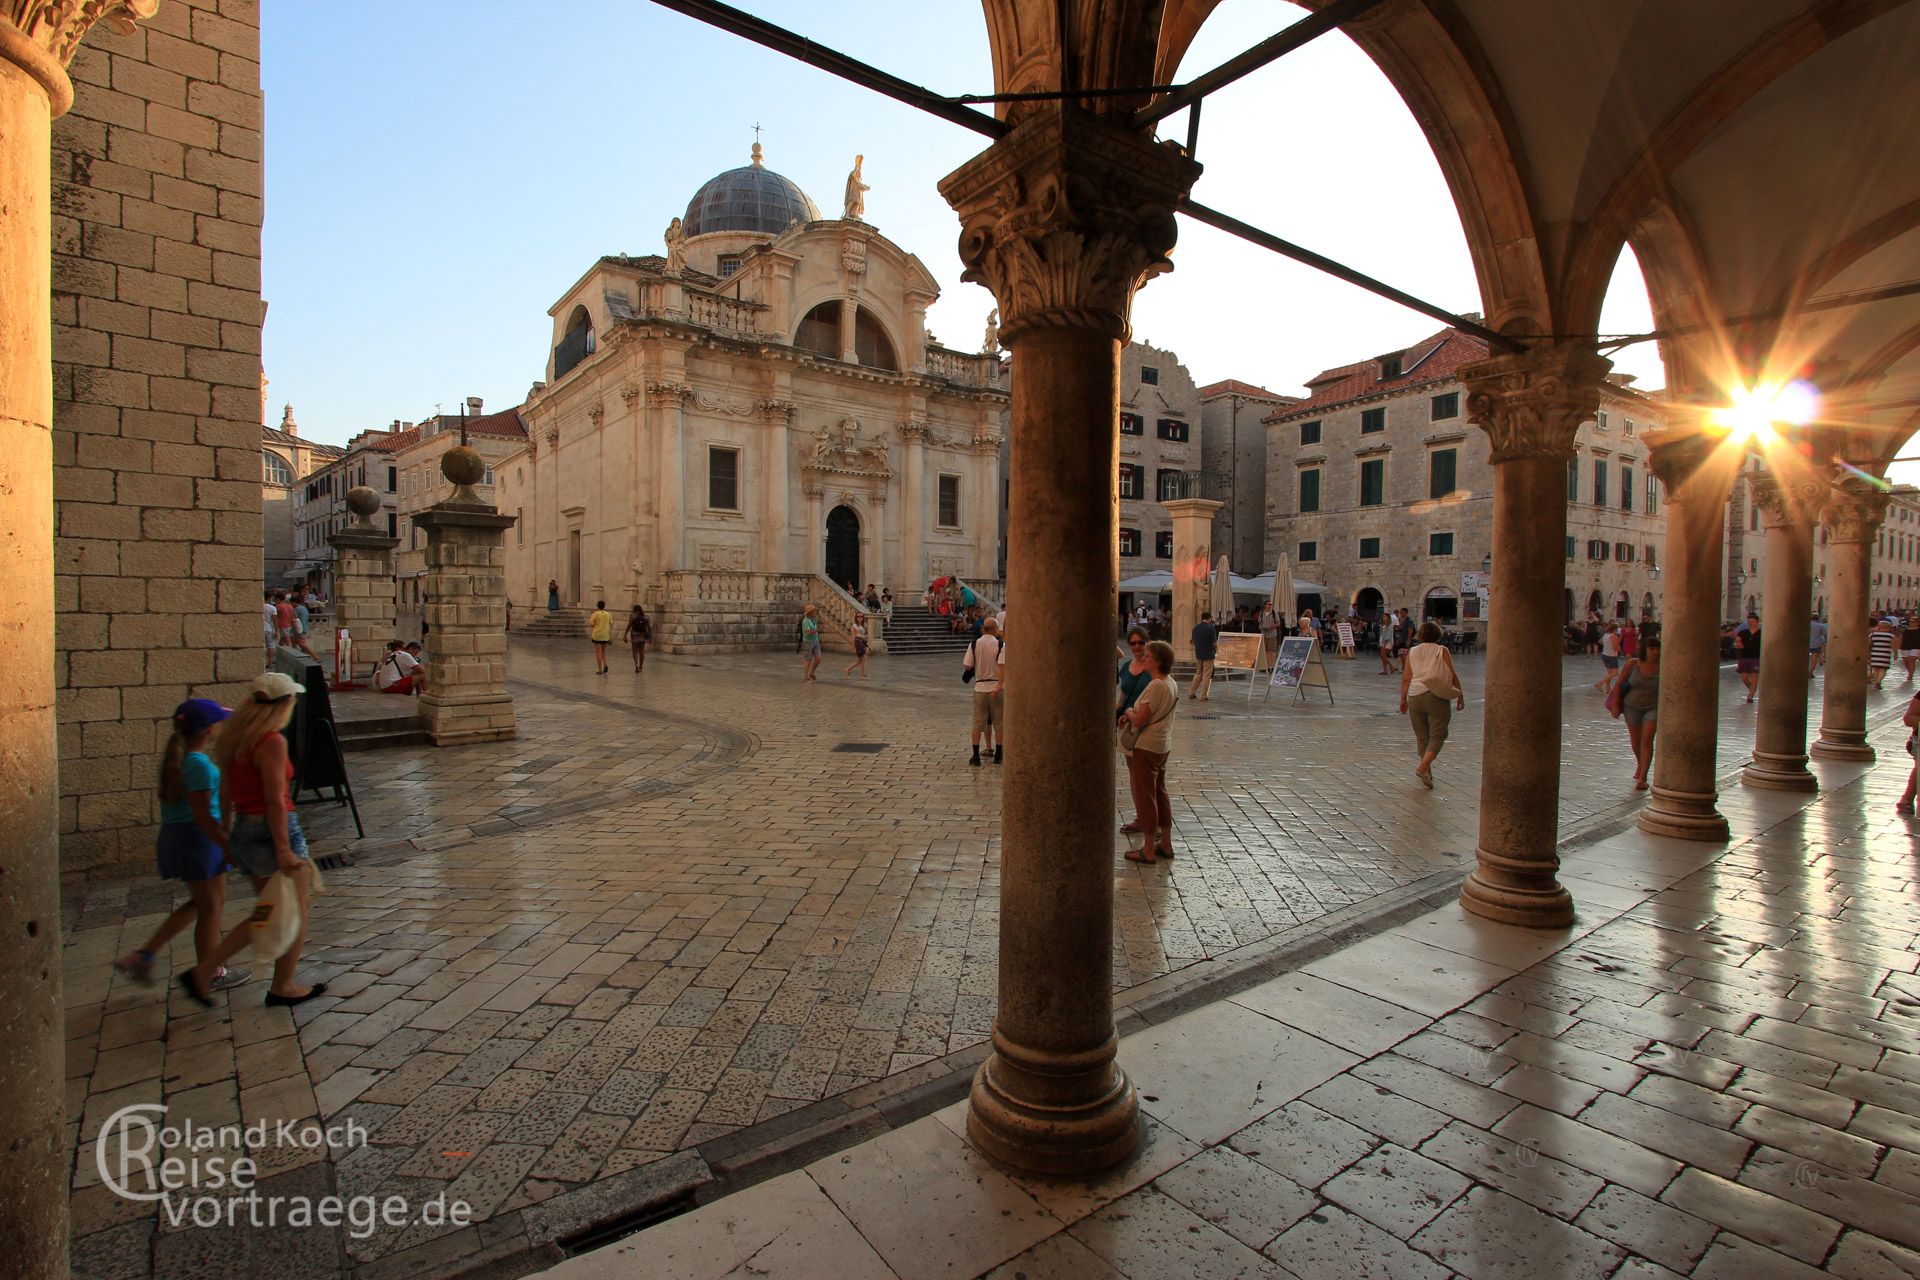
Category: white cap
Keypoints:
(275, 685)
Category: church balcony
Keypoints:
(966, 368)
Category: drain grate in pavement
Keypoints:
(862, 748)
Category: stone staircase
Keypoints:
(560, 624)
(405, 728)
(918, 630)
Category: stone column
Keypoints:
(466, 698)
(1789, 507)
(1685, 761)
(363, 580)
(916, 517)
(1855, 510)
(1062, 219)
(669, 472)
(34, 1160)
(1530, 405)
(1192, 559)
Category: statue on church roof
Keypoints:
(856, 191)
(991, 345)
(676, 248)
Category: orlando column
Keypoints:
(1063, 218)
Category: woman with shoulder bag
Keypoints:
(638, 632)
(1429, 692)
(1636, 699)
(1147, 740)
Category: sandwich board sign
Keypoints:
(1299, 668)
(1237, 651)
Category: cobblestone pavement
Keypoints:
(679, 905)
(1716, 1074)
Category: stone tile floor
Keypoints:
(1715, 1073)
(670, 912)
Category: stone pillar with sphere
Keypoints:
(466, 698)
(363, 581)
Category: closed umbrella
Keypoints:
(1222, 601)
(1283, 599)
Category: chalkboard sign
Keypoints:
(1295, 652)
(312, 741)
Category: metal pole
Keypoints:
(1285, 42)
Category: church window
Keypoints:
(1130, 542)
(576, 345)
(1163, 544)
(871, 346)
(949, 501)
(819, 332)
(276, 468)
(729, 263)
(723, 479)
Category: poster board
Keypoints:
(1299, 667)
(1237, 651)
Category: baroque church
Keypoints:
(726, 430)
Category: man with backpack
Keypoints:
(986, 667)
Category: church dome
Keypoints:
(751, 198)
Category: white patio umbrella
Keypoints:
(1222, 600)
(1283, 598)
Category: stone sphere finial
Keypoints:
(365, 504)
(465, 468)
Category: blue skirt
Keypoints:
(185, 853)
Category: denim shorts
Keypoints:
(185, 853)
(250, 844)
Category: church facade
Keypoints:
(757, 413)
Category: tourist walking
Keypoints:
(553, 596)
(1880, 646)
(1387, 625)
(809, 644)
(1132, 678)
(1609, 657)
(1429, 691)
(1206, 645)
(859, 638)
(1746, 655)
(1816, 645)
(264, 836)
(1636, 699)
(192, 845)
(1910, 644)
(1146, 738)
(600, 631)
(1912, 721)
(638, 631)
(987, 663)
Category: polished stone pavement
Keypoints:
(673, 925)
(1715, 1073)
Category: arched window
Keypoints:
(576, 345)
(819, 331)
(871, 345)
(275, 468)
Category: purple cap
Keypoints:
(196, 715)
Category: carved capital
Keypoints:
(1677, 454)
(667, 392)
(629, 394)
(1788, 502)
(1855, 510)
(1065, 217)
(1531, 404)
(40, 36)
(777, 411)
(596, 414)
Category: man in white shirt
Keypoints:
(399, 671)
(987, 657)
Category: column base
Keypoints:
(1770, 772)
(455, 720)
(1514, 892)
(1683, 815)
(1095, 1132)
(1845, 746)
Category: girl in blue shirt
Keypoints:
(192, 844)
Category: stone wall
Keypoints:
(157, 199)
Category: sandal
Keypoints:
(1142, 854)
(1426, 779)
(1131, 828)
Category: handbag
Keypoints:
(1130, 736)
(966, 672)
(1616, 696)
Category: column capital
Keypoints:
(1676, 454)
(40, 36)
(1530, 404)
(1788, 502)
(1065, 217)
(1855, 510)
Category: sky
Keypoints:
(439, 174)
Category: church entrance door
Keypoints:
(843, 547)
(573, 566)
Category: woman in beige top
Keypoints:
(1428, 684)
(1147, 762)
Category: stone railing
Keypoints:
(738, 586)
(969, 370)
(837, 612)
(723, 315)
(763, 595)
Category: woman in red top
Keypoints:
(256, 796)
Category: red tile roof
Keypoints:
(1434, 359)
(505, 423)
(1233, 386)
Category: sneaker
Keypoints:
(996, 755)
(229, 978)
